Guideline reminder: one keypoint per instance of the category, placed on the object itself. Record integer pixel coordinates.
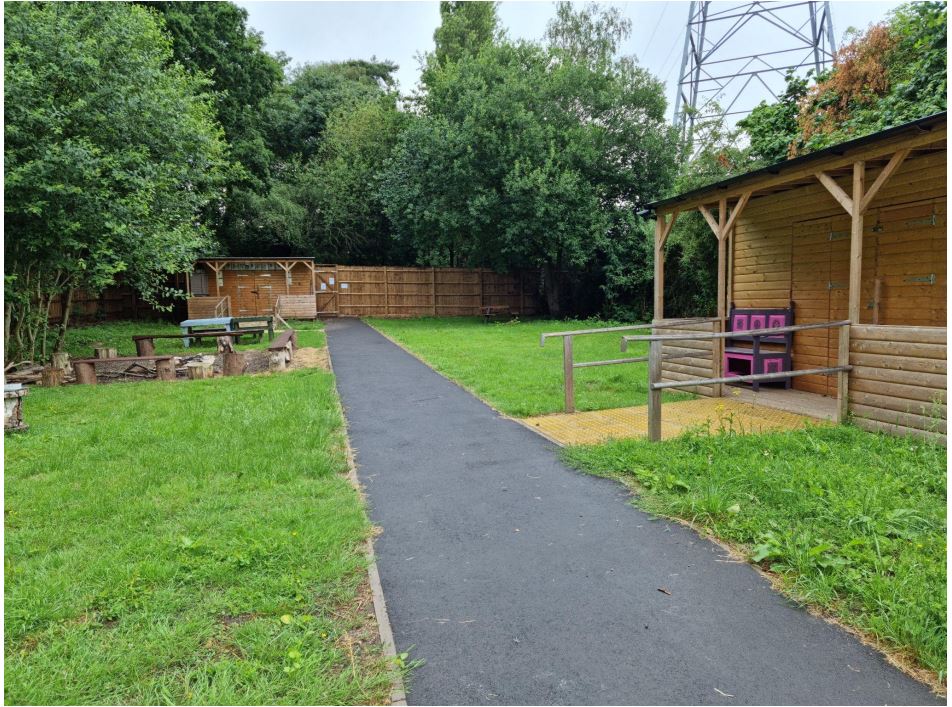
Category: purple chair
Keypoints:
(750, 359)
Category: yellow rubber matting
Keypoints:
(711, 414)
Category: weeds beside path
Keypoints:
(850, 521)
(187, 542)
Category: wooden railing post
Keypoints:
(654, 396)
(843, 377)
(568, 371)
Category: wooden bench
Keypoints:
(85, 368)
(282, 349)
(267, 319)
(145, 343)
(490, 313)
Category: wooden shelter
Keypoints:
(244, 287)
(854, 232)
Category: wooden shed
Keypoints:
(244, 287)
(855, 232)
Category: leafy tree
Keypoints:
(893, 73)
(526, 155)
(212, 39)
(465, 27)
(111, 151)
(346, 215)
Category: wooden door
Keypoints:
(245, 285)
(268, 284)
(325, 287)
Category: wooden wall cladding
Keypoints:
(701, 353)
(898, 383)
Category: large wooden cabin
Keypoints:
(245, 287)
(854, 232)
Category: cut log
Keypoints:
(85, 373)
(225, 345)
(105, 352)
(61, 360)
(278, 361)
(165, 369)
(145, 347)
(52, 377)
(233, 364)
(198, 370)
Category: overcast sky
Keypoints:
(400, 31)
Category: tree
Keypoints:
(346, 215)
(465, 27)
(111, 151)
(212, 39)
(891, 74)
(526, 155)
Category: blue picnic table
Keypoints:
(190, 325)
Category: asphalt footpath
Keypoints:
(518, 580)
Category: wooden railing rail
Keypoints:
(223, 308)
(655, 357)
(568, 363)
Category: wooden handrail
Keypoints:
(583, 332)
(655, 357)
(705, 336)
(756, 377)
(568, 362)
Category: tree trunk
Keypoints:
(64, 321)
(550, 276)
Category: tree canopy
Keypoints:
(111, 151)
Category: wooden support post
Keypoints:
(658, 270)
(165, 369)
(85, 372)
(568, 373)
(856, 240)
(877, 298)
(386, 290)
(433, 288)
(479, 275)
(842, 378)
(721, 291)
(654, 396)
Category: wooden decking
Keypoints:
(741, 411)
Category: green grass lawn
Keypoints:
(186, 542)
(851, 521)
(502, 362)
(81, 340)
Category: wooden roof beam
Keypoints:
(668, 225)
(836, 190)
(894, 163)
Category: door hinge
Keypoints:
(930, 279)
(831, 285)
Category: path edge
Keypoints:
(398, 693)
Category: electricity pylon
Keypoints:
(718, 70)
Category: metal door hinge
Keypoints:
(930, 279)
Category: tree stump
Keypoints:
(165, 369)
(85, 373)
(50, 377)
(278, 360)
(197, 370)
(61, 360)
(105, 352)
(145, 347)
(233, 364)
(225, 344)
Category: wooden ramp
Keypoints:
(709, 414)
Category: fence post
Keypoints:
(654, 396)
(568, 372)
(843, 377)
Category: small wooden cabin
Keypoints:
(854, 232)
(246, 287)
